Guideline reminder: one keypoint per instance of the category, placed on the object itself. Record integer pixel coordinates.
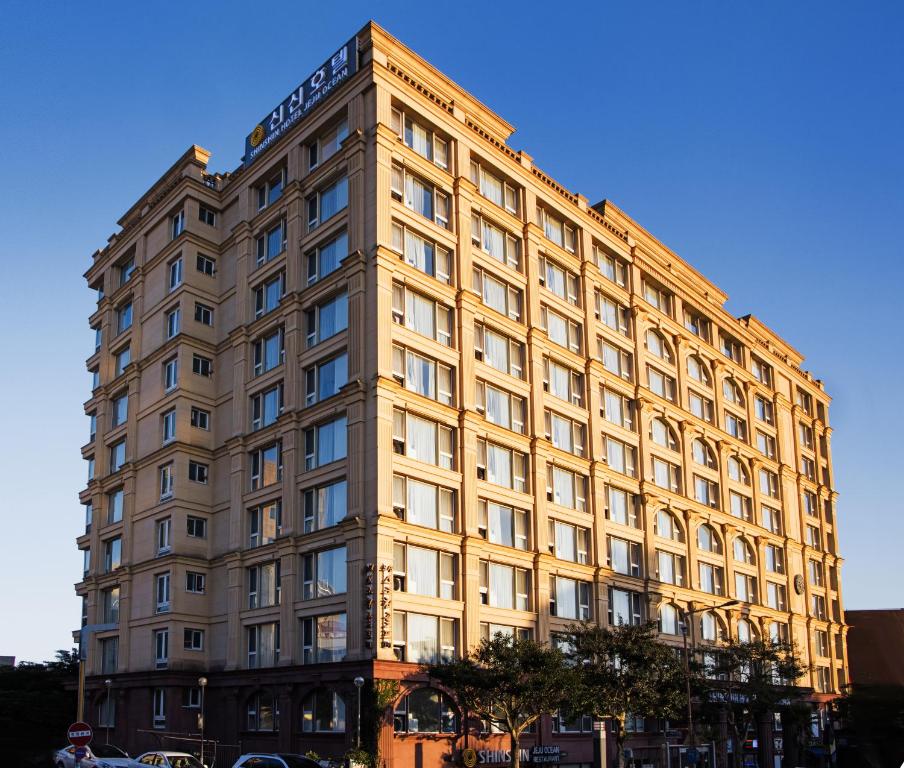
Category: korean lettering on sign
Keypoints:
(335, 70)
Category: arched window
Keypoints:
(662, 434)
(424, 710)
(658, 346)
(743, 552)
(732, 392)
(323, 711)
(703, 454)
(746, 631)
(698, 371)
(710, 627)
(737, 470)
(708, 539)
(262, 712)
(667, 526)
(668, 619)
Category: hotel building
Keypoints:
(388, 388)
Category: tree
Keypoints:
(625, 670)
(510, 682)
(747, 681)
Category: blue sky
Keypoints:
(761, 141)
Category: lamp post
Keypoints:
(359, 683)
(686, 614)
(202, 682)
(108, 684)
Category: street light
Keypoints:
(202, 682)
(108, 683)
(359, 683)
(686, 614)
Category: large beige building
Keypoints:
(388, 388)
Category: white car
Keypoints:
(97, 756)
(282, 760)
(164, 759)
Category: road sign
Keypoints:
(80, 753)
(80, 734)
(692, 755)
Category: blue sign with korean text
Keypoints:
(314, 90)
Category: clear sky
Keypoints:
(764, 142)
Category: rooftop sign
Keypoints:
(315, 89)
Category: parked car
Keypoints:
(282, 760)
(98, 756)
(164, 759)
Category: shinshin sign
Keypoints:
(306, 97)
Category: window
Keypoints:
(123, 358)
(708, 540)
(560, 281)
(710, 627)
(124, 317)
(265, 585)
(737, 470)
(569, 598)
(422, 253)
(161, 648)
(423, 439)
(268, 295)
(762, 372)
(110, 605)
(173, 323)
(500, 407)
(613, 315)
(271, 243)
(501, 524)
(420, 196)
(324, 380)
(569, 542)
(818, 607)
(667, 527)
(326, 319)
(196, 527)
(325, 443)
(489, 630)
(422, 375)
(114, 506)
(261, 714)
(207, 216)
(775, 559)
(328, 144)
(696, 323)
(666, 474)
(126, 270)
(504, 586)
(612, 267)
(422, 315)
(169, 426)
(117, 455)
(662, 434)
(562, 331)
(812, 537)
(423, 503)
(324, 573)
(170, 374)
(498, 351)
(264, 523)
(268, 352)
(89, 516)
(730, 348)
(658, 297)
(497, 294)
(421, 639)
(620, 456)
(698, 370)
(266, 407)
(159, 708)
(86, 561)
(203, 314)
(668, 619)
(164, 529)
(624, 607)
(325, 506)
(616, 360)
(763, 409)
(658, 346)
(162, 591)
(564, 433)
(502, 466)
(661, 384)
(711, 579)
(566, 488)
(90, 468)
(191, 698)
(706, 491)
(326, 259)
(670, 567)
(422, 571)
(735, 426)
(805, 401)
(775, 595)
(772, 519)
(206, 265)
(765, 444)
(418, 137)
(324, 638)
(167, 478)
(424, 710)
(177, 224)
(621, 507)
(494, 188)
(740, 506)
(198, 472)
(556, 230)
(563, 382)
(193, 639)
(625, 557)
(746, 633)
(805, 434)
(700, 406)
(263, 645)
(112, 554)
(195, 582)
(266, 465)
(200, 419)
(326, 203)
(703, 454)
(769, 483)
(271, 190)
(323, 712)
(743, 552)
(174, 270)
(203, 366)
(814, 568)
